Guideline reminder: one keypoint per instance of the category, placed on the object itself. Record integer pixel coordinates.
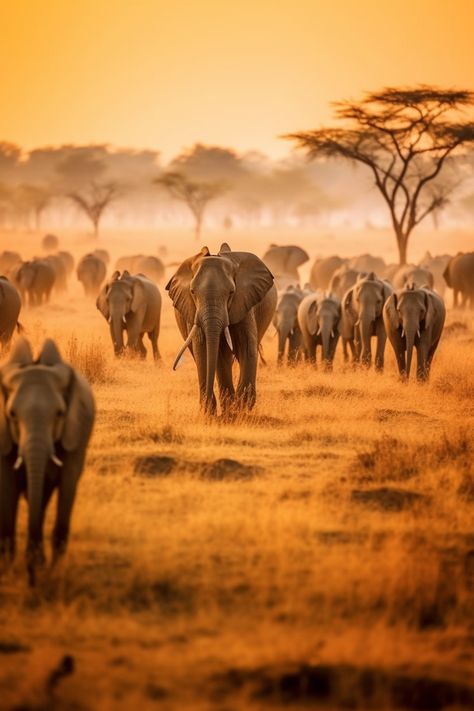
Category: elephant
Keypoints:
(50, 244)
(131, 304)
(389, 272)
(68, 261)
(343, 278)
(368, 263)
(102, 254)
(285, 320)
(322, 271)
(9, 263)
(223, 305)
(436, 266)
(152, 267)
(35, 279)
(411, 274)
(459, 276)
(414, 318)
(60, 272)
(283, 262)
(91, 271)
(319, 320)
(47, 413)
(10, 306)
(362, 318)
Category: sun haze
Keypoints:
(164, 75)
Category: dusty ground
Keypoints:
(319, 553)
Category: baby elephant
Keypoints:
(414, 318)
(131, 304)
(285, 320)
(319, 320)
(46, 416)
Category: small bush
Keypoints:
(89, 359)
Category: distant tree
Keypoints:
(405, 136)
(195, 194)
(80, 165)
(32, 200)
(10, 155)
(94, 200)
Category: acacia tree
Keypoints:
(195, 194)
(405, 136)
(94, 200)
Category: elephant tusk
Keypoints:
(228, 338)
(56, 460)
(332, 333)
(318, 331)
(19, 462)
(403, 333)
(184, 346)
(418, 333)
(124, 320)
(109, 320)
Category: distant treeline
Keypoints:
(37, 189)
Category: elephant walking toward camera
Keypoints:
(223, 304)
(362, 319)
(91, 272)
(287, 327)
(132, 304)
(319, 320)
(414, 318)
(46, 416)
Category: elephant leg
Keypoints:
(247, 355)
(293, 343)
(153, 337)
(10, 489)
(66, 496)
(345, 352)
(141, 348)
(379, 354)
(224, 377)
(311, 351)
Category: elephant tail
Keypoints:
(260, 353)
(20, 329)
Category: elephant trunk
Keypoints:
(213, 323)
(366, 324)
(326, 331)
(284, 330)
(116, 331)
(410, 334)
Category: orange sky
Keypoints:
(166, 73)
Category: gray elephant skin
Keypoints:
(322, 271)
(131, 304)
(10, 306)
(287, 327)
(459, 276)
(60, 272)
(91, 272)
(46, 417)
(414, 318)
(362, 319)
(411, 274)
(436, 265)
(152, 267)
(319, 320)
(35, 280)
(283, 262)
(223, 304)
(368, 263)
(343, 278)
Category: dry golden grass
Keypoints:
(329, 563)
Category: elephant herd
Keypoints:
(223, 304)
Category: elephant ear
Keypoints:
(347, 303)
(179, 287)
(296, 256)
(252, 281)
(313, 317)
(138, 295)
(21, 353)
(50, 354)
(80, 412)
(387, 290)
(430, 310)
(391, 317)
(224, 248)
(102, 303)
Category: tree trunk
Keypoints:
(402, 243)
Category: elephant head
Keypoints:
(409, 312)
(363, 305)
(41, 412)
(285, 259)
(122, 295)
(213, 292)
(323, 320)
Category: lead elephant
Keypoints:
(46, 417)
(414, 318)
(223, 304)
(283, 262)
(285, 320)
(91, 271)
(131, 304)
(459, 276)
(362, 318)
(35, 280)
(319, 320)
(10, 305)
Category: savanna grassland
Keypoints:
(317, 553)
